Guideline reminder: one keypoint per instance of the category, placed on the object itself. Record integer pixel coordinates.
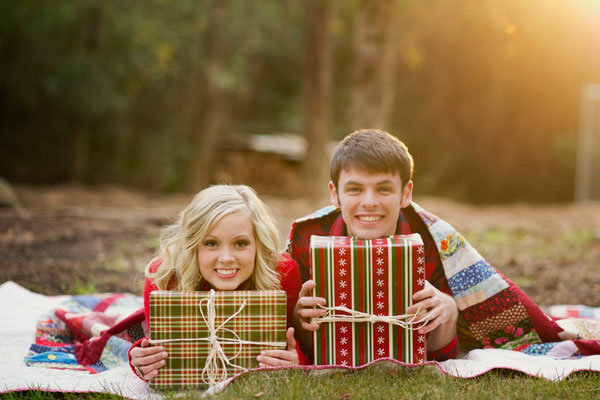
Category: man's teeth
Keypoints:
(369, 218)
(226, 271)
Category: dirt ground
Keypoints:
(78, 239)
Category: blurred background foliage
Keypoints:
(152, 93)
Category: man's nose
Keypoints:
(369, 199)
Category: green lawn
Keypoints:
(385, 383)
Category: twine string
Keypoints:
(216, 359)
(405, 321)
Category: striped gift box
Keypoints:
(261, 317)
(377, 277)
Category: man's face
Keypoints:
(370, 201)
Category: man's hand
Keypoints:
(280, 358)
(305, 308)
(148, 359)
(442, 313)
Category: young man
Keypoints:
(371, 190)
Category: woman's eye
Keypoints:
(242, 243)
(210, 243)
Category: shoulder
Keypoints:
(153, 265)
(317, 223)
(286, 264)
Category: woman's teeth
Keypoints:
(226, 271)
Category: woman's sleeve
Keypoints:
(290, 283)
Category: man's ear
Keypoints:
(333, 196)
(407, 195)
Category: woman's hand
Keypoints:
(280, 358)
(148, 359)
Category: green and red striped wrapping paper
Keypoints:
(175, 315)
(378, 277)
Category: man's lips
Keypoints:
(369, 218)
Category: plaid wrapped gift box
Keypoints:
(182, 320)
(376, 277)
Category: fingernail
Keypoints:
(259, 358)
(262, 353)
(261, 365)
(164, 354)
(161, 348)
(162, 362)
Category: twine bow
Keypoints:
(217, 359)
(406, 321)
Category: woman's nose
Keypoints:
(226, 257)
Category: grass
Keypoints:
(381, 382)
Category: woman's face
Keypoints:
(226, 254)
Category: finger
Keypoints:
(307, 288)
(268, 361)
(309, 326)
(280, 354)
(309, 302)
(145, 343)
(423, 294)
(431, 325)
(308, 313)
(424, 305)
(139, 352)
(152, 369)
(149, 360)
(291, 341)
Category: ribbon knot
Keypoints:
(406, 321)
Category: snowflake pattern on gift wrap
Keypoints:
(421, 260)
(380, 352)
(421, 282)
(380, 294)
(379, 241)
(343, 329)
(342, 262)
(420, 250)
(342, 251)
(380, 304)
(343, 340)
(379, 271)
(380, 329)
(344, 363)
(344, 352)
(421, 339)
(421, 270)
(343, 272)
(379, 282)
(342, 296)
(421, 350)
(342, 284)
(343, 305)
(380, 340)
(380, 261)
(379, 250)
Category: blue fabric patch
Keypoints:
(471, 276)
(538, 349)
(118, 347)
(87, 300)
(37, 348)
(53, 357)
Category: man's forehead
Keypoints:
(356, 175)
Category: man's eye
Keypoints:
(353, 190)
(385, 189)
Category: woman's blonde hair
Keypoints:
(179, 241)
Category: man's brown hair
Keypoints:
(371, 150)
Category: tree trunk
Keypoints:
(317, 96)
(373, 68)
(205, 135)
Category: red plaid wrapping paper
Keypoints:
(375, 277)
(177, 315)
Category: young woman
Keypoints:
(225, 239)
